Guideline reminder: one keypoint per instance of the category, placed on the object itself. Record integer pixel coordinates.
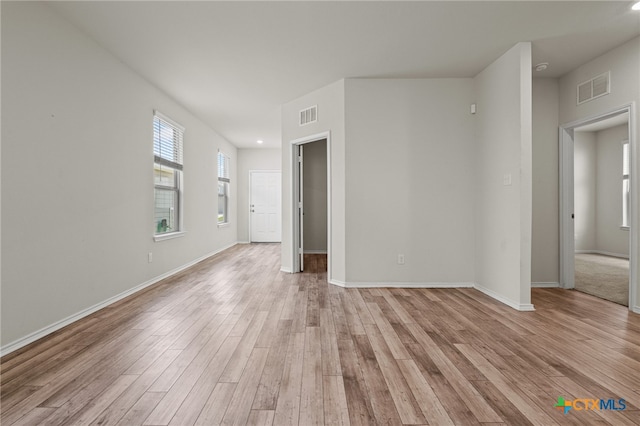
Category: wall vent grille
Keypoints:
(594, 88)
(309, 115)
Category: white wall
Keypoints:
(598, 191)
(331, 118)
(584, 192)
(415, 142)
(609, 237)
(315, 197)
(248, 160)
(503, 147)
(545, 249)
(624, 64)
(409, 180)
(77, 175)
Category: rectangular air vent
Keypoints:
(309, 115)
(594, 88)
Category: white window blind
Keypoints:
(167, 142)
(223, 188)
(223, 167)
(167, 169)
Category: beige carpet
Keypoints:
(603, 276)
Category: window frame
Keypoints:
(626, 184)
(224, 178)
(176, 164)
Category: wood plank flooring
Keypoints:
(233, 340)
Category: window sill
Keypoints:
(168, 236)
(624, 228)
(223, 225)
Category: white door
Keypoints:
(265, 213)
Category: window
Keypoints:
(167, 176)
(223, 188)
(626, 194)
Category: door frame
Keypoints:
(566, 222)
(251, 172)
(293, 191)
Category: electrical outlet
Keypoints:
(401, 259)
(150, 257)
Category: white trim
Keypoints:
(517, 306)
(169, 120)
(627, 177)
(565, 210)
(285, 270)
(604, 253)
(545, 285)
(45, 331)
(315, 252)
(169, 236)
(295, 265)
(401, 284)
(243, 242)
(566, 140)
(636, 309)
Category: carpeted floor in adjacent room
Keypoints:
(606, 277)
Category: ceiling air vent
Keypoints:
(309, 115)
(594, 88)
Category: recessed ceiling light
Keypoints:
(260, 141)
(541, 66)
(636, 6)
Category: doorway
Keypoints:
(314, 191)
(265, 206)
(601, 194)
(311, 198)
(575, 237)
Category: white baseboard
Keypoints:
(508, 302)
(315, 252)
(545, 285)
(32, 337)
(285, 270)
(244, 242)
(636, 309)
(490, 293)
(337, 282)
(604, 253)
(400, 284)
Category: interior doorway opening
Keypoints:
(578, 209)
(601, 195)
(311, 198)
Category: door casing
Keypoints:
(294, 191)
(567, 228)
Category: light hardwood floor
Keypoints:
(235, 341)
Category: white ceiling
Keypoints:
(233, 64)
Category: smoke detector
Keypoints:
(541, 66)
